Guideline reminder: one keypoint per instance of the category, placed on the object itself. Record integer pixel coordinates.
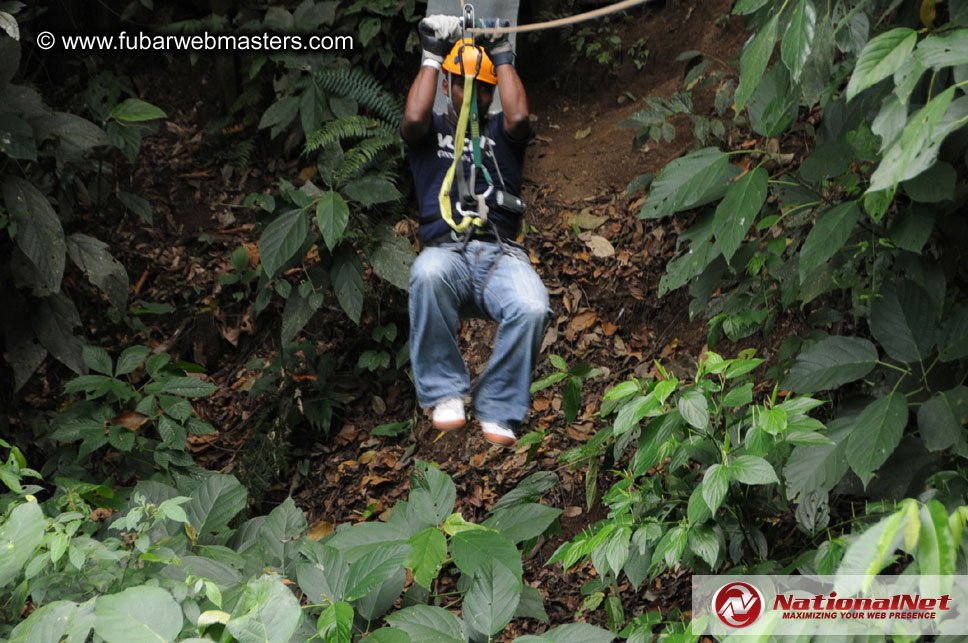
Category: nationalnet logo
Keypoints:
(793, 605)
(738, 604)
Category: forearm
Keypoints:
(420, 104)
(514, 102)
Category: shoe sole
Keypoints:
(450, 426)
(499, 440)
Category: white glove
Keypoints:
(437, 35)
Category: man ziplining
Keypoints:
(470, 214)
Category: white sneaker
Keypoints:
(497, 434)
(449, 414)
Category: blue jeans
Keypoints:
(445, 284)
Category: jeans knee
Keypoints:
(429, 269)
(531, 312)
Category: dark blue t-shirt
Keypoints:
(431, 156)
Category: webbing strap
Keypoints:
(443, 199)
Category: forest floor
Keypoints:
(601, 265)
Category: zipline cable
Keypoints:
(560, 22)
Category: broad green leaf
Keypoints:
(324, 578)
(335, 623)
(697, 511)
(297, 313)
(531, 605)
(876, 433)
(47, 624)
(430, 624)
(868, 554)
(17, 138)
(427, 555)
(572, 399)
(738, 209)
(439, 487)
(373, 568)
(703, 543)
(616, 549)
(916, 148)
(828, 235)
(281, 239)
(751, 469)
(881, 57)
(941, 420)
(953, 344)
(268, 613)
(138, 205)
(279, 534)
(715, 484)
(141, 614)
(523, 522)
(355, 541)
(20, 534)
(97, 359)
(906, 79)
(348, 282)
(371, 190)
(492, 598)
(670, 548)
(387, 635)
(332, 215)
(773, 421)
(936, 553)
(831, 362)
(187, 386)
(816, 77)
(471, 548)
(810, 468)
(798, 38)
(744, 7)
(903, 319)
(753, 62)
(40, 235)
(392, 257)
(279, 115)
(935, 184)
(55, 318)
(632, 412)
(528, 490)
(578, 633)
(949, 50)
(773, 106)
(687, 182)
(215, 502)
(890, 121)
(75, 134)
(135, 110)
(694, 409)
(130, 359)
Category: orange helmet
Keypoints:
(465, 50)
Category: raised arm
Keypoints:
(514, 100)
(437, 33)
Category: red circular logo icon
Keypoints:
(738, 604)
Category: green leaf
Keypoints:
(336, 622)
(371, 190)
(440, 490)
(332, 215)
(751, 469)
(936, 553)
(531, 605)
(739, 396)
(429, 624)
(831, 362)
(138, 615)
(632, 412)
(617, 549)
(903, 320)
(881, 57)
(47, 624)
(697, 511)
(20, 534)
(348, 283)
(373, 568)
(810, 468)
(703, 543)
(186, 386)
(130, 359)
(670, 548)
(280, 531)
(912, 227)
(269, 613)
(100, 267)
(917, 147)
(738, 209)
(949, 50)
(867, 554)
(279, 115)
(572, 399)
(386, 634)
(17, 138)
(392, 257)
(693, 180)
(876, 433)
(324, 579)
(281, 239)
(577, 633)
(297, 313)
(954, 336)
(135, 110)
(816, 75)
(744, 7)
(76, 135)
(471, 548)
(798, 38)
(934, 185)
(492, 598)
(753, 62)
(941, 420)
(524, 521)
(97, 359)
(715, 484)
(694, 409)
(828, 235)
(215, 502)
(39, 234)
(427, 555)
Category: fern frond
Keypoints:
(364, 155)
(353, 82)
(340, 129)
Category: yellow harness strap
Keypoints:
(444, 196)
